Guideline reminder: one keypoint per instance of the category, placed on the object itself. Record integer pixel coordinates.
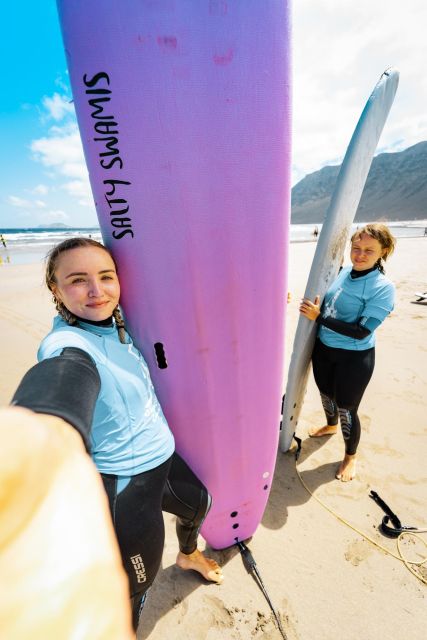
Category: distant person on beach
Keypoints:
(3, 241)
(425, 231)
(343, 358)
(316, 231)
(128, 438)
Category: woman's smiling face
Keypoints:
(86, 283)
(365, 252)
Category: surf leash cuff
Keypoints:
(66, 386)
(397, 528)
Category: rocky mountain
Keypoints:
(396, 189)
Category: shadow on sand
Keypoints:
(287, 490)
(173, 586)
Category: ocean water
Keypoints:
(27, 246)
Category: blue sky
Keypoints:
(340, 50)
(40, 184)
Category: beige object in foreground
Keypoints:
(60, 569)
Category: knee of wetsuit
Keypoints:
(204, 506)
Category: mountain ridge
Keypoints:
(396, 189)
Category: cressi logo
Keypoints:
(138, 565)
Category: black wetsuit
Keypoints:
(67, 386)
(138, 520)
(342, 375)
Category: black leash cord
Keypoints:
(251, 567)
(397, 528)
(384, 506)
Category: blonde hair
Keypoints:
(383, 235)
(52, 259)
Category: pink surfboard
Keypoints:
(184, 113)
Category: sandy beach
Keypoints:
(325, 579)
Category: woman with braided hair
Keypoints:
(343, 358)
(129, 439)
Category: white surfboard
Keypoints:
(333, 239)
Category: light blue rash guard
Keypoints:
(356, 300)
(129, 430)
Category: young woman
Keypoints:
(343, 358)
(129, 439)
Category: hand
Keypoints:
(56, 536)
(310, 310)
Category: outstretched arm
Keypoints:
(66, 386)
(57, 543)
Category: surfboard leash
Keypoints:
(252, 568)
(396, 527)
(401, 532)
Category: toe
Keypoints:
(215, 576)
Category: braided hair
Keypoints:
(52, 259)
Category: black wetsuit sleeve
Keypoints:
(66, 386)
(350, 329)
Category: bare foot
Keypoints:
(209, 568)
(347, 469)
(327, 430)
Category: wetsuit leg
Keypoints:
(354, 371)
(138, 523)
(187, 498)
(324, 371)
(342, 376)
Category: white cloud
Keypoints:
(64, 86)
(62, 151)
(58, 106)
(40, 189)
(54, 215)
(77, 188)
(340, 50)
(22, 203)
(18, 202)
(80, 189)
